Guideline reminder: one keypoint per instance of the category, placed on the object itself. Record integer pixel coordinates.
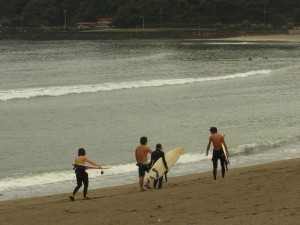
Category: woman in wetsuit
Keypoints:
(156, 155)
(82, 176)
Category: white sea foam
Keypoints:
(191, 157)
(29, 180)
(229, 43)
(264, 145)
(23, 181)
(26, 93)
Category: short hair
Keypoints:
(213, 129)
(158, 146)
(143, 140)
(81, 151)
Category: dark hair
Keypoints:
(143, 140)
(81, 151)
(213, 129)
(158, 146)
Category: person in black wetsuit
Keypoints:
(218, 153)
(82, 176)
(156, 155)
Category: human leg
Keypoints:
(222, 160)
(160, 181)
(141, 177)
(215, 164)
(215, 167)
(141, 182)
(79, 180)
(147, 185)
(155, 184)
(142, 172)
(86, 184)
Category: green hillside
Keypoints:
(154, 13)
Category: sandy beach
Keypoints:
(260, 194)
(277, 37)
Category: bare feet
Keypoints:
(147, 186)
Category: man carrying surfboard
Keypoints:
(81, 175)
(141, 156)
(156, 155)
(218, 152)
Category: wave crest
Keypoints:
(27, 93)
(260, 146)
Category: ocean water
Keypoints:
(58, 96)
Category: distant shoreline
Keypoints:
(123, 34)
(110, 34)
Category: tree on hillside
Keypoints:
(70, 8)
(42, 13)
(11, 12)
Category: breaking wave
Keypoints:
(26, 93)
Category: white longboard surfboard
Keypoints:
(225, 154)
(92, 167)
(158, 169)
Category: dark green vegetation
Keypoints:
(222, 14)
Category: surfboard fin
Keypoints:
(227, 163)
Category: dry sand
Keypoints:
(263, 194)
(278, 37)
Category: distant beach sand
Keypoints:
(263, 194)
(277, 37)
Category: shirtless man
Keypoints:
(217, 140)
(141, 156)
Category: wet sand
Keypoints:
(261, 194)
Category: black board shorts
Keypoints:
(143, 168)
(218, 154)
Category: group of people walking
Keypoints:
(141, 156)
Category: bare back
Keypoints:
(217, 140)
(141, 153)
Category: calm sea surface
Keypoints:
(58, 96)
